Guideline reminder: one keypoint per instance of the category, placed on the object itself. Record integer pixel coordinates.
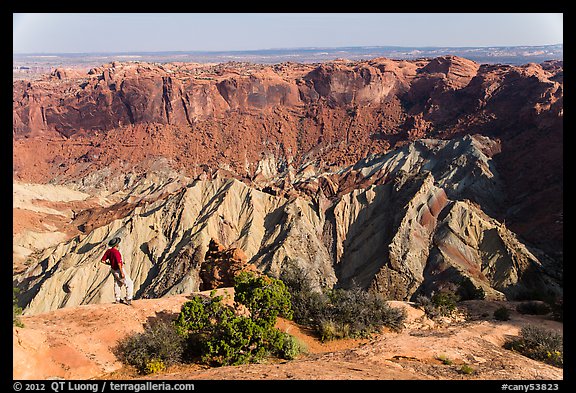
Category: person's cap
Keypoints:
(114, 241)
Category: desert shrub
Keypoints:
(339, 313)
(540, 344)
(16, 310)
(444, 359)
(365, 312)
(533, 294)
(466, 369)
(425, 303)
(218, 335)
(533, 307)
(330, 329)
(289, 347)
(265, 297)
(441, 304)
(307, 304)
(158, 347)
(154, 366)
(310, 307)
(502, 314)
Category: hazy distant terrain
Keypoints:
(42, 62)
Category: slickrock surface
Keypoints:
(76, 343)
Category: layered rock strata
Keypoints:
(400, 224)
(258, 121)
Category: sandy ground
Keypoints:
(76, 343)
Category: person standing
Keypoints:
(113, 258)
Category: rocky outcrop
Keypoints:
(221, 265)
(470, 245)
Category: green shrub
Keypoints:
(158, 347)
(289, 346)
(445, 301)
(265, 297)
(16, 310)
(502, 314)
(339, 313)
(466, 369)
(533, 307)
(218, 335)
(237, 340)
(444, 359)
(540, 344)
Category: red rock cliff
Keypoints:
(232, 115)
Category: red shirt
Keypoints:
(114, 256)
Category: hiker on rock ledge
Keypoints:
(113, 258)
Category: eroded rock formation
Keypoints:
(221, 265)
(400, 223)
(258, 121)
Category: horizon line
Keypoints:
(283, 49)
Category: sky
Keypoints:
(149, 32)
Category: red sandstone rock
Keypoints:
(221, 265)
